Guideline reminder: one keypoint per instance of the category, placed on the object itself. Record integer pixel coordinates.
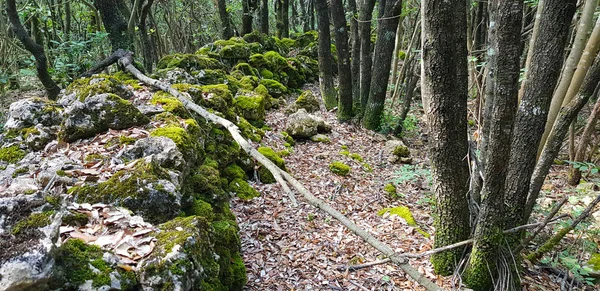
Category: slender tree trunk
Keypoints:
(35, 49)
(366, 60)
(264, 17)
(536, 25)
(227, 31)
(148, 48)
(384, 47)
(115, 24)
(585, 24)
(584, 141)
(283, 21)
(338, 17)
(325, 59)
(246, 17)
(355, 55)
(531, 117)
(485, 264)
(67, 31)
(311, 13)
(443, 47)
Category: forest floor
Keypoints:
(300, 248)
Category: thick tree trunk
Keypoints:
(246, 17)
(264, 17)
(115, 24)
(35, 49)
(443, 48)
(355, 52)
(283, 21)
(344, 112)
(485, 265)
(366, 60)
(533, 111)
(571, 64)
(227, 31)
(325, 59)
(384, 47)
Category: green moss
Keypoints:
(288, 138)
(265, 73)
(339, 168)
(401, 152)
(264, 174)
(274, 88)
(242, 189)
(404, 213)
(345, 153)
(250, 105)
(234, 171)
(20, 171)
(11, 154)
(249, 131)
(356, 157)
(594, 261)
(235, 51)
(232, 272)
(283, 153)
(275, 61)
(307, 101)
(75, 218)
(186, 142)
(344, 147)
(189, 61)
(205, 184)
(548, 245)
(99, 84)
(94, 157)
(168, 118)
(320, 138)
(204, 209)
(123, 139)
(390, 189)
(169, 103)
(245, 68)
(34, 220)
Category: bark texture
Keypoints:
(384, 48)
(264, 17)
(355, 52)
(442, 43)
(227, 31)
(344, 112)
(325, 59)
(533, 110)
(115, 24)
(485, 265)
(366, 59)
(41, 63)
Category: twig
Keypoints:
(528, 239)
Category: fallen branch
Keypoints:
(118, 54)
(528, 239)
(126, 63)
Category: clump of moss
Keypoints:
(390, 189)
(77, 262)
(401, 152)
(126, 140)
(94, 157)
(234, 171)
(189, 61)
(345, 153)
(169, 104)
(99, 84)
(242, 189)
(356, 157)
(187, 143)
(20, 171)
(288, 138)
(11, 154)
(594, 262)
(339, 168)
(249, 131)
(283, 153)
(308, 101)
(265, 73)
(203, 208)
(205, 184)
(264, 174)
(274, 88)
(35, 220)
(75, 218)
(404, 213)
(320, 138)
(250, 105)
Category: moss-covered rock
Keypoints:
(98, 84)
(35, 220)
(205, 184)
(188, 137)
(265, 73)
(263, 173)
(233, 171)
(97, 114)
(339, 168)
(245, 69)
(274, 61)
(210, 77)
(11, 154)
(320, 138)
(249, 131)
(169, 103)
(32, 112)
(390, 189)
(401, 151)
(242, 189)
(306, 100)
(189, 62)
(274, 88)
(77, 263)
(146, 190)
(250, 105)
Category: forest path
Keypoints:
(287, 248)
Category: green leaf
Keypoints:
(386, 278)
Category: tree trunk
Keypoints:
(35, 49)
(584, 141)
(442, 46)
(531, 117)
(571, 65)
(364, 30)
(148, 48)
(283, 21)
(344, 112)
(67, 31)
(536, 25)
(264, 17)
(246, 17)
(485, 265)
(115, 24)
(384, 47)
(227, 31)
(325, 59)
(355, 53)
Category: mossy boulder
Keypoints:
(205, 183)
(210, 77)
(250, 105)
(301, 124)
(306, 100)
(32, 112)
(235, 51)
(397, 152)
(192, 253)
(274, 88)
(146, 190)
(274, 61)
(265, 73)
(81, 266)
(242, 189)
(233, 171)
(339, 168)
(162, 150)
(97, 84)
(248, 130)
(320, 138)
(189, 62)
(189, 138)
(263, 173)
(169, 103)
(245, 69)
(97, 114)
(37, 137)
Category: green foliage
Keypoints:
(390, 121)
(339, 168)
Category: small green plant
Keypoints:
(410, 173)
(310, 217)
